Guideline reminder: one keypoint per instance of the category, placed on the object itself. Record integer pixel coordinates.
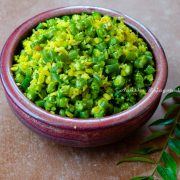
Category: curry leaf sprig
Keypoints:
(166, 165)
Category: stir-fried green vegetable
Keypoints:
(84, 65)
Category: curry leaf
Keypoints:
(177, 88)
(174, 145)
(166, 166)
(177, 130)
(162, 122)
(169, 162)
(171, 110)
(171, 95)
(165, 173)
(142, 178)
(146, 150)
(154, 135)
(136, 159)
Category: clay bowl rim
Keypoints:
(42, 116)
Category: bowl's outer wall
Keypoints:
(88, 138)
(78, 132)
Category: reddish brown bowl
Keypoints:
(81, 132)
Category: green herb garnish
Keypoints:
(166, 166)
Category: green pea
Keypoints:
(62, 102)
(115, 51)
(102, 46)
(84, 114)
(49, 55)
(51, 22)
(50, 103)
(31, 94)
(80, 83)
(94, 94)
(113, 41)
(80, 25)
(125, 106)
(55, 76)
(66, 18)
(132, 99)
(139, 80)
(73, 29)
(97, 78)
(126, 70)
(101, 32)
(19, 78)
(141, 62)
(97, 53)
(79, 66)
(142, 93)
(96, 15)
(62, 112)
(41, 39)
(40, 103)
(76, 17)
(88, 103)
(91, 31)
(95, 85)
(120, 99)
(29, 72)
(103, 103)
(64, 90)
(71, 108)
(41, 26)
(117, 54)
(73, 54)
(112, 68)
(131, 56)
(79, 36)
(112, 61)
(149, 69)
(148, 55)
(51, 87)
(102, 57)
(69, 114)
(87, 22)
(98, 112)
(149, 78)
(26, 82)
(97, 67)
(79, 105)
(119, 81)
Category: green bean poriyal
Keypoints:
(84, 65)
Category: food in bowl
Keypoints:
(84, 65)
